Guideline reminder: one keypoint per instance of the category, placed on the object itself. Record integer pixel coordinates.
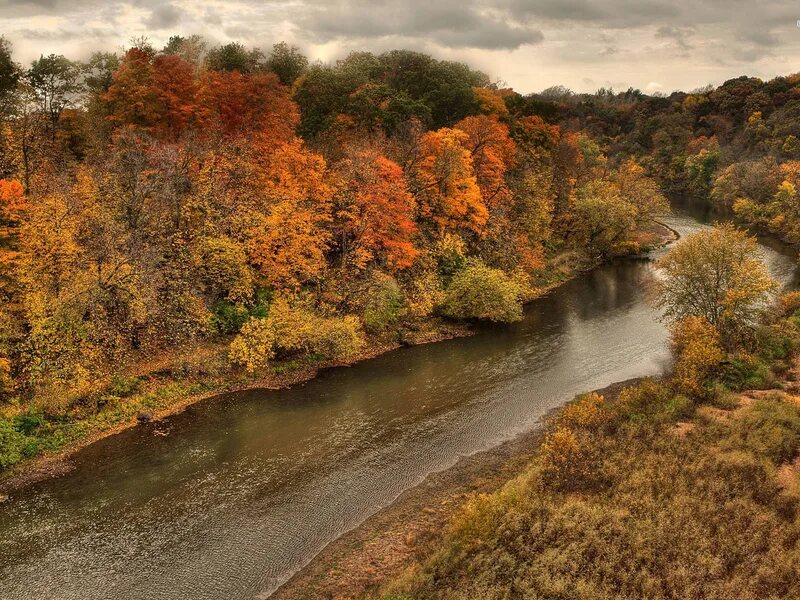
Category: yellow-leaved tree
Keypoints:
(718, 274)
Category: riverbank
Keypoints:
(387, 542)
(164, 394)
(169, 384)
(712, 483)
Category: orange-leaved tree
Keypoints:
(374, 213)
(288, 237)
(444, 183)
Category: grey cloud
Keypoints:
(760, 37)
(616, 13)
(63, 35)
(164, 17)
(678, 34)
(449, 23)
(607, 36)
(672, 13)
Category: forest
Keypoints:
(176, 219)
(275, 210)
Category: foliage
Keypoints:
(147, 196)
(716, 274)
(588, 411)
(14, 445)
(292, 329)
(254, 347)
(480, 292)
(385, 306)
(698, 352)
(680, 507)
(566, 461)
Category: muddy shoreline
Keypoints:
(379, 548)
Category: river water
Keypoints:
(248, 487)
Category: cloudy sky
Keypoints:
(655, 45)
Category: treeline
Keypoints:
(158, 198)
(738, 143)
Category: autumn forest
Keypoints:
(167, 196)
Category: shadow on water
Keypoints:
(246, 488)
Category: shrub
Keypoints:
(254, 347)
(337, 337)
(770, 429)
(292, 330)
(588, 411)
(28, 424)
(449, 254)
(298, 329)
(778, 340)
(746, 372)
(678, 407)
(122, 386)
(227, 317)
(480, 292)
(294, 327)
(13, 444)
(646, 399)
(567, 460)
(423, 293)
(385, 304)
(698, 352)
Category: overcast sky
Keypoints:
(655, 45)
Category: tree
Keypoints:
(176, 94)
(131, 98)
(158, 94)
(288, 237)
(716, 274)
(374, 213)
(10, 74)
(287, 62)
(98, 72)
(641, 192)
(601, 219)
(234, 57)
(56, 84)
(443, 181)
(236, 104)
(493, 153)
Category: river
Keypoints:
(246, 488)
